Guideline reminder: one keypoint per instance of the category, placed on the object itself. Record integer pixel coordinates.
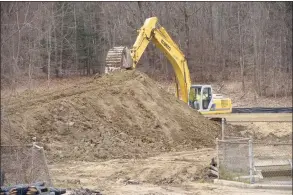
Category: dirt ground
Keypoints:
(124, 134)
(187, 189)
(263, 130)
(275, 127)
(123, 115)
(170, 173)
(172, 168)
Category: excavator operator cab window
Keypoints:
(206, 97)
(197, 92)
(194, 97)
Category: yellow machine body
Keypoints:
(151, 31)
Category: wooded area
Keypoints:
(241, 41)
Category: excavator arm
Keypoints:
(159, 36)
(178, 61)
(145, 34)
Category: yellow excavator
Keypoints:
(199, 97)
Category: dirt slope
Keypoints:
(122, 115)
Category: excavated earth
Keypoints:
(120, 115)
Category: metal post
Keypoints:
(218, 162)
(223, 128)
(33, 168)
(252, 159)
(251, 164)
(41, 150)
(46, 166)
(290, 161)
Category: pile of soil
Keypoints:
(121, 115)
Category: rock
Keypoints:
(133, 182)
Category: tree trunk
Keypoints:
(241, 60)
(60, 68)
(30, 67)
(75, 27)
(49, 55)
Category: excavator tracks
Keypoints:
(118, 58)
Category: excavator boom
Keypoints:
(147, 33)
(151, 31)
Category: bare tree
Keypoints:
(239, 41)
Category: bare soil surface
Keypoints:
(122, 115)
(269, 129)
(168, 168)
(186, 189)
(278, 131)
(126, 134)
(170, 173)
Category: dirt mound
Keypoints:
(122, 115)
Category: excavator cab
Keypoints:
(208, 103)
(203, 97)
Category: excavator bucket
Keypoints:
(118, 58)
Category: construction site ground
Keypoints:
(125, 134)
(169, 173)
